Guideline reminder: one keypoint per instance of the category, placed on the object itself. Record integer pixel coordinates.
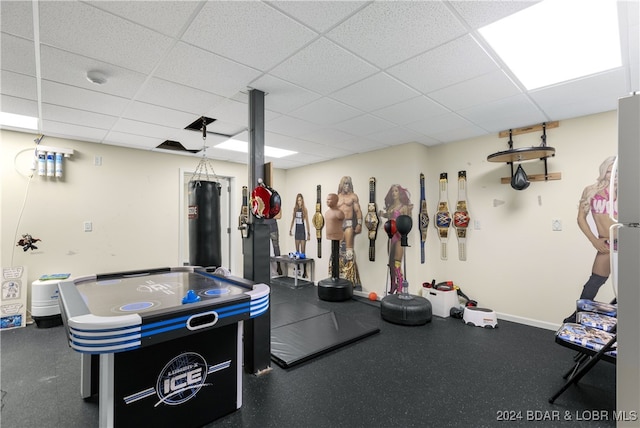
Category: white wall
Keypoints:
(515, 265)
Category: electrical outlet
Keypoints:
(476, 224)
(556, 225)
(88, 226)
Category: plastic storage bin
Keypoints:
(441, 301)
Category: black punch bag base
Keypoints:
(335, 289)
(398, 310)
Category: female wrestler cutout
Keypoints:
(596, 199)
(301, 221)
(396, 203)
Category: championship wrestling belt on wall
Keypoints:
(371, 219)
(243, 219)
(423, 217)
(461, 216)
(443, 218)
(318, 221)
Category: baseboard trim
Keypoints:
(528, 321)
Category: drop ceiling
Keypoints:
(340, 77)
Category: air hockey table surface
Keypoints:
(169, 342)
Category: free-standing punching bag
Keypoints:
(205, 247)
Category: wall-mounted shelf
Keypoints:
(541, 152)
(527, 129)
(522, 154)
(536, 177)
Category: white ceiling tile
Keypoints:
(145, 129)
(236, 112)
(149, 113)
(506, 113)
(178, 97)
(109, 34)
(17, 54)
(459, 134)
(441, 66)
(227, 128)
(82, 99)
(412, 110)
(364, 125)
(397, 135)
(291, 126)
(77, 117)
(227, 156)
(319, 15)
(130, 140)
(362, 145)
(231, 111)
(329, 136)
(577, 98)
(323, 151)
(251, 33)
(17, 105)
(281, 96)
(18, 85)
(374, 31)
(323, 67)
(372, 93)
(439, 124)
(74, 132)
(16, 17)
(200, 69)
(480, 13)
(273, 139)
(170, 17)
(476, 91)
(65, 67)
(325, 112)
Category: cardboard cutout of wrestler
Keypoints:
(597, 202)
(349, 204)
(397, 202)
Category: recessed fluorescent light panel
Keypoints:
(18, 121)
(243, 146)
(557, 40)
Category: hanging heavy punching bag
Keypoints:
(205, 247)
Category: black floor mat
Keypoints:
(300, 341)
(288, 313)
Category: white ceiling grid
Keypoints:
(341, 77)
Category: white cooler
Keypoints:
(45, 308)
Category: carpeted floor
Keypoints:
(442, 374)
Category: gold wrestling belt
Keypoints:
(461, 216)
(443, 218)
(371, 219)
(318, 221)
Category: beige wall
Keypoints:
(516, 264)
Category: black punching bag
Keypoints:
(205, 248)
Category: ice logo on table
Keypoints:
(181, 379)
(153, 287)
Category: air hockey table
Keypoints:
(168, 342)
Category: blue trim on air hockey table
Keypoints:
(132, 340)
